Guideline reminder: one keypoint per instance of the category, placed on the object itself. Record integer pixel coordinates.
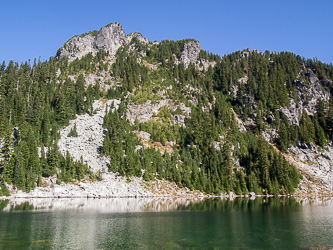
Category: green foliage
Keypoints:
(71, 170)
(3, 204)
(84, 64)
(161, 132)
(73, 132)
(142, 96)
(209, 56)
(108, 25)
(4, 190)
(93, 33)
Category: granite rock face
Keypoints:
(308, 95)
(190, 53)
(316, 167)
(77, 47)
(108, 38)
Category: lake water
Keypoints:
(124, 223)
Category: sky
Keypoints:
(36, 29)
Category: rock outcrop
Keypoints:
(316, 166)
(77, 47)
(247, 52)
(205, 64)
(109, 38)
(103, 78)
(145, 112)
(138, 36)
(308, 95)
(190, 53)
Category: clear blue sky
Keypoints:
(33, 29)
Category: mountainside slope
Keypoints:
(249, 122)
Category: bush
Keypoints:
(4, 190)
(73, 132)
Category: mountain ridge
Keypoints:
(230, 124)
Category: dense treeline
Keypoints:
(35, 104)
(271, 83)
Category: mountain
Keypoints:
(248, 122)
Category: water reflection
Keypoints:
(121, 223)
(121, 205)
(103, 205)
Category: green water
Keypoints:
(210, 224)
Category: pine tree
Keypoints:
(79, 90)
(283, 138)
(321, 113)
(329, 120)
(5, 154)
(264, 164)
(60, 110)
(73, 132)
(45, 128)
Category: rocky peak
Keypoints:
(108, 38)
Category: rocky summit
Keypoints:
(108, 38)
(116, 115)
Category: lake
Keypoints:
(146, 223)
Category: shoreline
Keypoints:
(143, 203)
(114, 186)
(227, 196)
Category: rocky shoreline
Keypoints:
(110, 186)
(114, 186)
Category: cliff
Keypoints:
(109, 38)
